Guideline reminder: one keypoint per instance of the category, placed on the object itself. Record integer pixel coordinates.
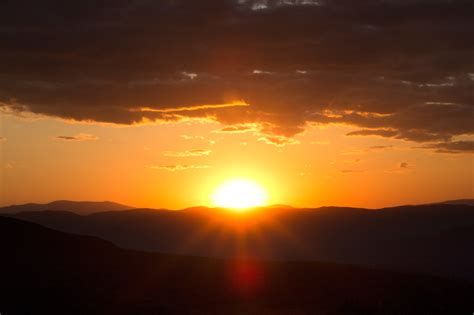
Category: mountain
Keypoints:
(435, 239)
(44, 271)
(469, 202)
(79, 207)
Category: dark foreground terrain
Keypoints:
(435, 239)
(48, 272)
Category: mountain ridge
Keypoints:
(408, 238)
(79, 207)
(89, 207)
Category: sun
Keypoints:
(239, 194)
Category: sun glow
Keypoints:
(239, 194)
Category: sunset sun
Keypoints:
(239, 194)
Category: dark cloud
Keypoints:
(404, 165)
(380, 147)
(404, 67)
(79, 137)
(421, 123)
(374, 132)
(452, 147)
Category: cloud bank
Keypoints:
(452, 147)
(396, 69)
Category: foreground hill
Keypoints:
(78, 207)
(49, 272)
(435, 239)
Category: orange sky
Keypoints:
(179, 165)
(157, 103)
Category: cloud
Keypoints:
(256, 71)
(419, 123)
(351, 171)
(279, 141)
(188, 137)
(401, 168)
(78, 137)
(352, 161)
(130, 68)
(451, 147)
(189, 108)
(197, 152)
(190, 75)
(237, 129)
(373, 132)
(380, 147)
(320, 142)
(177, 167)
(257, 5)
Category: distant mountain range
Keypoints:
(43, 271)
(434, 239)
(469, 202)
(89, 207)
(79, 207)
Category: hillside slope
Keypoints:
(49, 272)
(410, 238)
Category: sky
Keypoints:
(157, 103)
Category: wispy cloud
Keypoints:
(237, 129)
(380, 147)
(78, 137)
(279, 141)
(352, 161)
(189, 108)
(348, 171)
(178, 167)
(374, 132)
(320, 142)
(189, 75)
(197, 152)
(257, 71)
(188, 137)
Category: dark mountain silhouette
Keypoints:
(49, 272)
(434, 239)
(469, 202)
(79, 207)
